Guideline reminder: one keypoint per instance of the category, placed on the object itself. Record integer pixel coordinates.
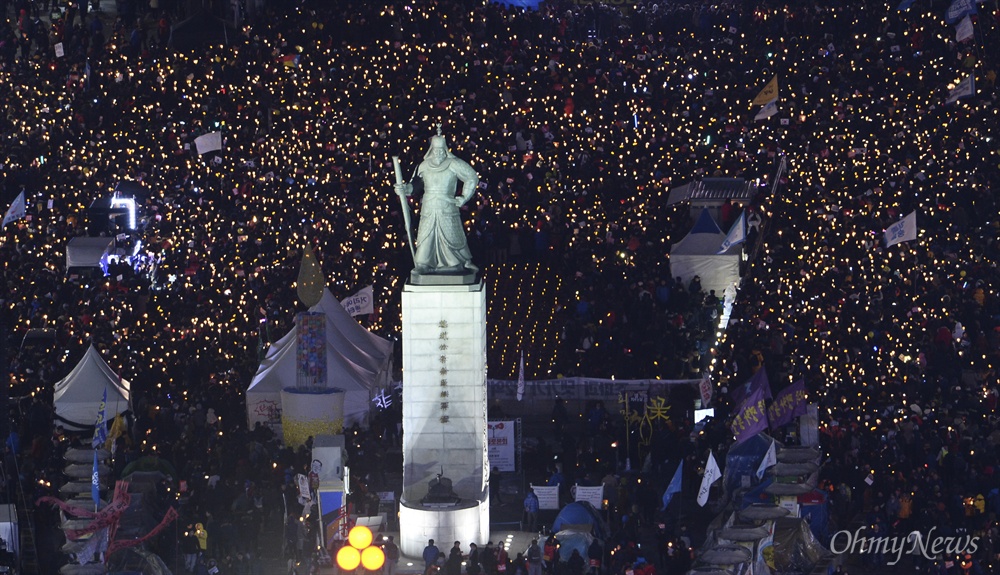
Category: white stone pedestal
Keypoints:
(444, 413)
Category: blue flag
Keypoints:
(95, 484)
(100, 427)
(959, 9)
(737, 234)
(905, 5)
(675, 485)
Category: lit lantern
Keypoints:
(372, 558)
(348, 558)
(359, 537)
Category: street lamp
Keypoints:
(360, 551)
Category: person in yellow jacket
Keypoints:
(202, 535)
(980, 504)
(905, 506)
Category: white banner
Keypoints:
(361, 303)
(963, 30)
(791, 503)
(16, 210)
(548, 496)
(501, 444)
(580, 388)
(705, 388)
(966, 87)
(592, 495)
(209, 142)
(905, 230)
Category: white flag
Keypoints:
(712, 474)
(904, 230)
(770, 109)
(520, 378)
(16, 210)
(210, 142)
(361, 303)
(737, 234)
(770, 458)
(966, 87)
(964, 30)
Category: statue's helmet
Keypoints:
(437, 143)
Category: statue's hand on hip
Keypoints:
(459, 202)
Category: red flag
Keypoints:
(168, 518)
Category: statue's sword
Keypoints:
(405, 205)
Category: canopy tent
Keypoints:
(570, 540)
(357, 361)
(87, 252)
(9, 531)
(742, 462)
(77, 396)
(697, 254)
(580, 513)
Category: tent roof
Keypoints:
(704, 239)
(580, 513)
(713, 189)
(697, 254)
(705, 225)
(77, 396)
(355, 357)
(356, 360)
(86, 252)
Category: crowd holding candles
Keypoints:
(579, 118)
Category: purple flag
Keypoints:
(790, 403)
(758, 381)
(752, 417)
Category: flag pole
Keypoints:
(405, 206)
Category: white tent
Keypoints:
(8, 529)
(357, 361)
(697, 254)
(77, 396)
(86, 252)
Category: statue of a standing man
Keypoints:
(441, 246)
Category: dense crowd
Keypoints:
(579, 118)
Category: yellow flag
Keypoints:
(117, 430)
(768, 94)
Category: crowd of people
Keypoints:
(579, 118)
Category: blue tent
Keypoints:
(756, 494)
(813, 507)
(743, 460)
(523, 4)
(578, 513)
(570, 540)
